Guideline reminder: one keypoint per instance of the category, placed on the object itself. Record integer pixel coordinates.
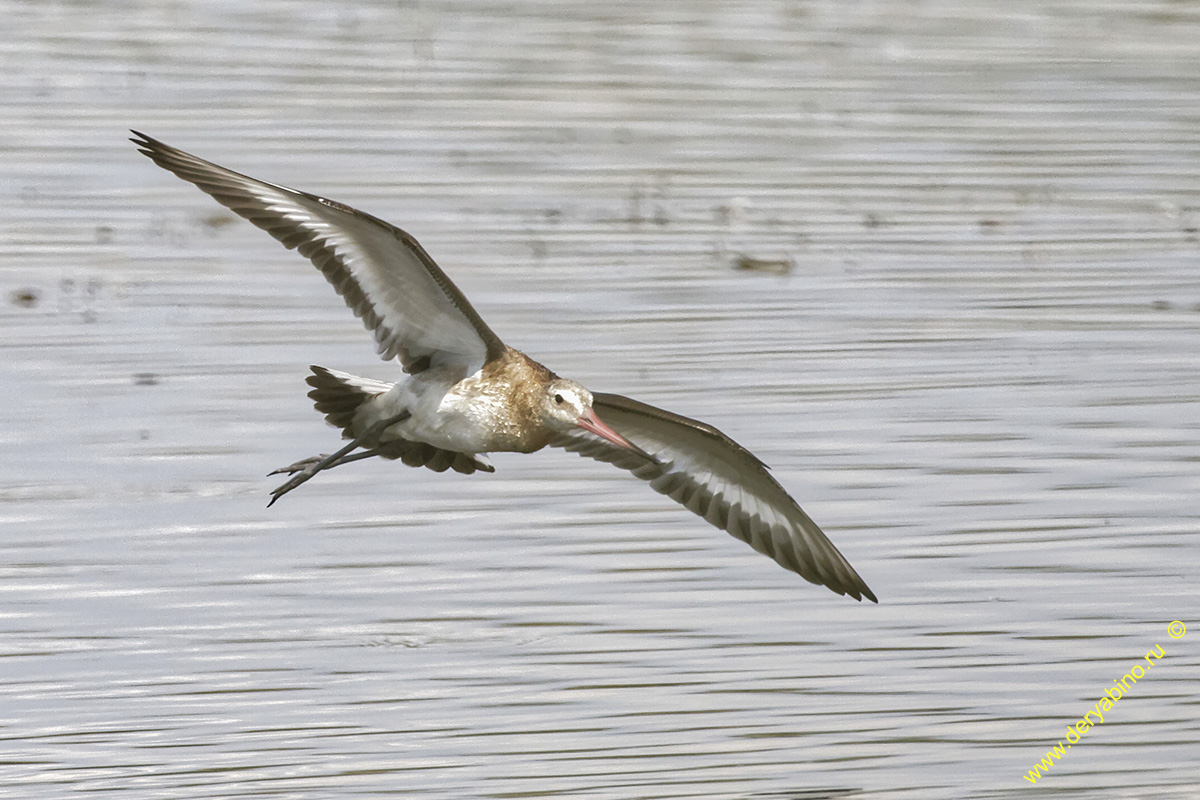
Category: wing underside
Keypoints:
(714, 477)
(413, 310)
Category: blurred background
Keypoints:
(935, 262)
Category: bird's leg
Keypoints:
(308, 470)
(304, 463)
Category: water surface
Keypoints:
(979, 375)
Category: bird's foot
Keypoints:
(303, 471)
(300, 465)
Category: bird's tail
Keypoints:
(339, 395)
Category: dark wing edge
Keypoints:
(229, 188)
(732, 491)
(420, 454)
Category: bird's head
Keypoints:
(567, 407)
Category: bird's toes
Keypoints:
(287, 487)
(299, 466)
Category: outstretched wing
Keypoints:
(384, 275)
(713, 476)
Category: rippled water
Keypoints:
(979, 374)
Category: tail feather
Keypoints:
(339, 395)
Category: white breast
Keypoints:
(445, 413)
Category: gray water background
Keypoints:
(981, 376)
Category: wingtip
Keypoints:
(855, 587)
(147, 145)
(857, 592)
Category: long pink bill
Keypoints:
(592, 424)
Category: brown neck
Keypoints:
(519, 384)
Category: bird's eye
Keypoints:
(558, 398)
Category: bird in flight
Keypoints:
(467, 393)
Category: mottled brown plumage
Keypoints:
(514, 385)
